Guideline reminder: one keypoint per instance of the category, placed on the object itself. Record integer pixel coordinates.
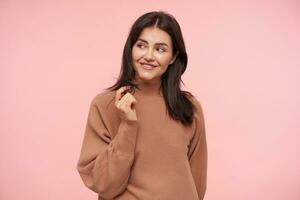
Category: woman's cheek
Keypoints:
(138, 54)
(164, 60)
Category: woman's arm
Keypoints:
(198, 152)
(105, 162)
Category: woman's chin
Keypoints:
(145, 78)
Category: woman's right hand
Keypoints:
(125, 104)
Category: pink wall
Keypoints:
(244, 66)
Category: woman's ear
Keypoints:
(174, 58)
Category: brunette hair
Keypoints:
(177, 101)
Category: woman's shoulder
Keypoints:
(103, 98)
(193, 98)
(197, 104)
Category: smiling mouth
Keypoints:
(148, 66)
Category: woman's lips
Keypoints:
(148, 66)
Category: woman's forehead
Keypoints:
(155, 35)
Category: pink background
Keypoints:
(244, 67)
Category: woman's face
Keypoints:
(151, 54)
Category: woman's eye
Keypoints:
(161, 50)
(140, 45)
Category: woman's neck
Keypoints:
(149, 88)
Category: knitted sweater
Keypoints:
(153, 158)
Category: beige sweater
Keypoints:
(154, 158)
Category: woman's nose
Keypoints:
(149, 55)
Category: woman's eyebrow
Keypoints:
(159, 43)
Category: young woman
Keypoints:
(150, 144)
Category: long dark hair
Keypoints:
(178, 104)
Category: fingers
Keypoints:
(129, 101)
(124, 100)
(125, 103)
(120, 91)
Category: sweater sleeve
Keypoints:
(105, 162)
(198, 153)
